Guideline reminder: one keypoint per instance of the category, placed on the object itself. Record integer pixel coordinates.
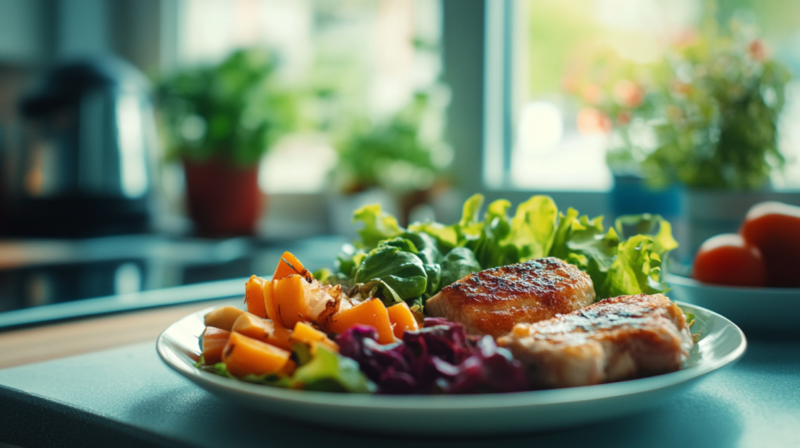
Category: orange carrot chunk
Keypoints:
(402, 319)
(281, 337)
(254, 296)
(284, 269)
(214, 341)
(372, 313)
(243, 355)
(270, 306)
(253, 326)
(290, 298)
(307, 334)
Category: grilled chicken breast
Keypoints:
(493, 301)
(615, 339)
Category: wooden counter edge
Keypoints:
(42, 343)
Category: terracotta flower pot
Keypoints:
(222, 200)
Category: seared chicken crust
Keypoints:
(615, 339)
(494, 300)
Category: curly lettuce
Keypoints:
(415, 263)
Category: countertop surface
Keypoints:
(97, 381)
(127, 396)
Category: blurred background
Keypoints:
(147, 144)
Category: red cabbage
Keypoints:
(439, 358)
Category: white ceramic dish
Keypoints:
(759, 309)
(722, 343)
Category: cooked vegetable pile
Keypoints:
(362, 329)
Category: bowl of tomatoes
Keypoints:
(751, 277)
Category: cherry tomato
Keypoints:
(774, 228)
(727, 260)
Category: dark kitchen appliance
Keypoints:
(89, 140)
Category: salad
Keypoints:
(362, 326)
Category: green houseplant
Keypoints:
(705, 116)
(404, 155)
(219, 120)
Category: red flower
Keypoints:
(757, 50)
(592, 93)
(624, 117)
(628, 93)
(592, 121)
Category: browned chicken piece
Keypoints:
(615, 339)
(493, 301)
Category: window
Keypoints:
(538, 137)
(369, 56)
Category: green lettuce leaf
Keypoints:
(331, 372)
(428, 252)
(457, 264)
(270, 379)
(647, 224)
(401, 273)
(469, 228)
(490, 248)
(533, 227)
(446, 237)
(584, 243)
(635, 270)
(378, 226)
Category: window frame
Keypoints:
(477, 39)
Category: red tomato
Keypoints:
(727, 260)
(774, 228)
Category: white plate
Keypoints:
(722, 343)
(759, 309)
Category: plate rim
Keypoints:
(446, 402)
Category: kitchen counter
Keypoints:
(52, 280)
(125, 396)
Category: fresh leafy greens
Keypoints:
(396, 267)
(330, 372)
(320, 370)
(413, 264)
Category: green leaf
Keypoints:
(402, 273)
(426, 247)
(559, 248)
(647, 224)
(490, 249)
(404, 244)
(378, 226)
(469, 228)
(301, 353)
(457, 264)
(331, 372)
(429, 253)
(322, 274)
(348, 260)
(636, 269)
(533, 227)
(446, 237)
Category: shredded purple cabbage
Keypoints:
(439, 358)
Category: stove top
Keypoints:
(43, 280)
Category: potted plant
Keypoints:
(399, 161)
(708, 121)
(218, 121)
(618, 100)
